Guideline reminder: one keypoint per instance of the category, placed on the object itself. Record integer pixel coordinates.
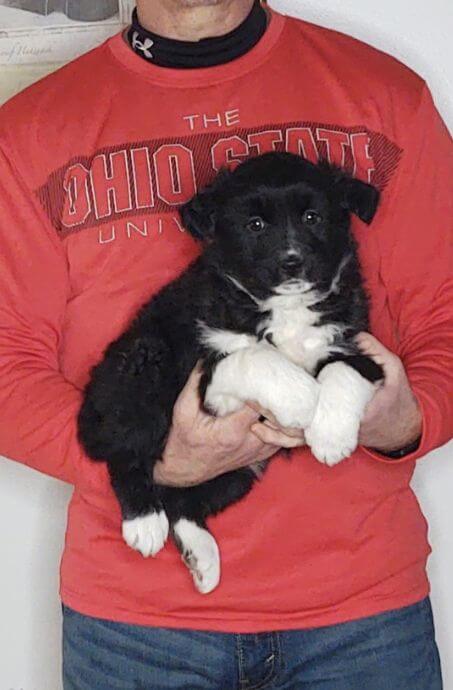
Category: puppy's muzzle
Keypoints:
(291, 265)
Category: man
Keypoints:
(324, 583)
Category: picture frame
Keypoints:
(33, 32)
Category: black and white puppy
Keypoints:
(271, 307)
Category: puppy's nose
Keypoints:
(291, 263)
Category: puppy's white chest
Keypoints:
(294, 331)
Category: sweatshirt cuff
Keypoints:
(401, 452)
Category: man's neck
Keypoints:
(171, 20)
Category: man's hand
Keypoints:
(270, 431)
(201, 447)
(392, 418)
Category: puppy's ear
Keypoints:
(359, 198)
(199, 214)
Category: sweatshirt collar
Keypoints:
(197, 77)
(208, 52)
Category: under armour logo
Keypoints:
(144, 46)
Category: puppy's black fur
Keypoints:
(247, 220)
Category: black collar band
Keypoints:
(168, 52)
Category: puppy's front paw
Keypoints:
(332, 436)
(294, 404)
(220, 404)
(334, 432)
(147, 533)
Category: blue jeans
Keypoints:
(390, 651)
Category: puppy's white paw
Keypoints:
(294, 405)
(261, 373)
(147, 533)
(284, 388)
(200, 553)
(332, 440)
(334, 431)
(220, 404)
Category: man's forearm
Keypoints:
(393, 419)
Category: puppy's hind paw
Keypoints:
(200, 553)
(146, 533)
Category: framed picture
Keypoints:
(37, 31)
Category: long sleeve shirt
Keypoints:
(94, 162)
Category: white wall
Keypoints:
(32, 507)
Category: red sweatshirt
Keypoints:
(95, 160)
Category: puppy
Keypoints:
(271, 308)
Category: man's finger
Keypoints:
(372, 347)
(276, 438)
(243, 418)
(189, 396)
(193, 381)
(288, 431)
(262, 411)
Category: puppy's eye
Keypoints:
(255, 224)
(311, 217)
